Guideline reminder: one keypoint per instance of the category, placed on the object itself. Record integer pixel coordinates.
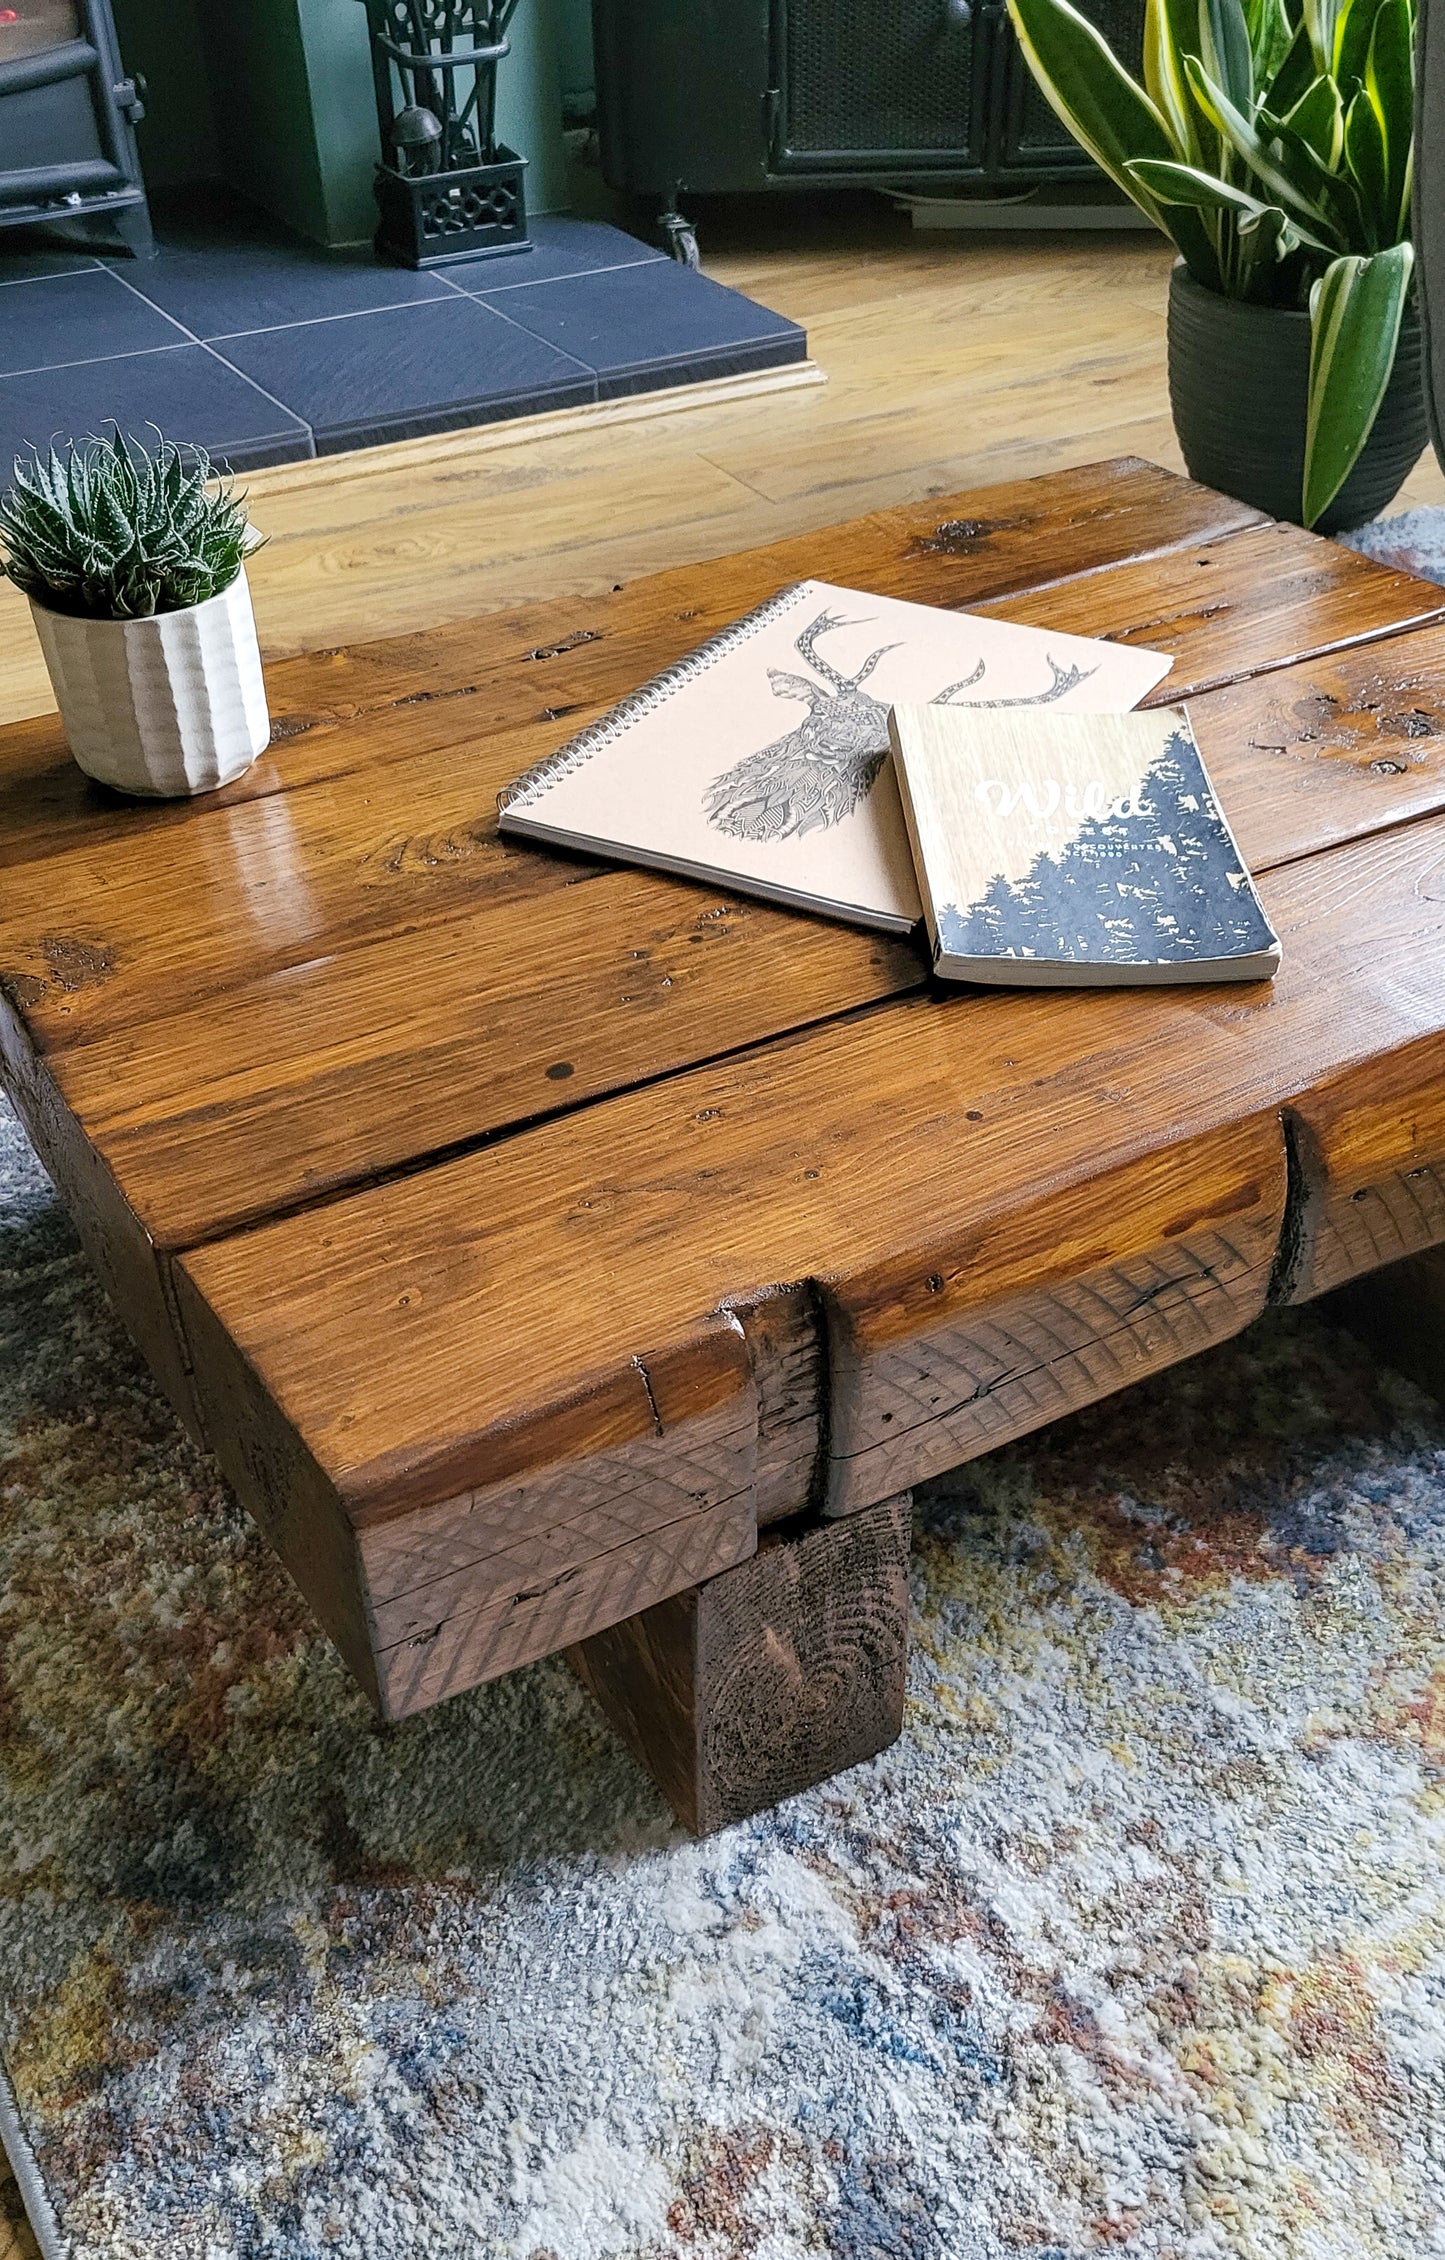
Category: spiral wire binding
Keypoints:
(555, 766)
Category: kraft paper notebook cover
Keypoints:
(761, 762)
(1075, 850)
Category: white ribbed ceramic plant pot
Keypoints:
(166, 706)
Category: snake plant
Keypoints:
(1272, 140)
(112, 531)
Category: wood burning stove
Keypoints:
(67, 121)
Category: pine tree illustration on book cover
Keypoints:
(1076, 850)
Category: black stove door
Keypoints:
(66, 110)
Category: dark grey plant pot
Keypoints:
(1238, 386)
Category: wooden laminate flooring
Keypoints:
(951, 360)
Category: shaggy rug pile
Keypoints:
(1133, 1946)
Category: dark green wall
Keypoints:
(574, 43)
(276, 97)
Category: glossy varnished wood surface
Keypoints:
(525, 1236)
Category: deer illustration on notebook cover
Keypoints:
(820, 771)
(759, 762)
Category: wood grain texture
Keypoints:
(1368, 1152)
(1049, 1306)
(1231, 607)
(339, 712)
(134, 1274)
(396, 983)
(600, 1590)
(1344, 743)
(308, 1080)
(641, 1486)
(769, 1678)
(1337, 746)
(537, 1349)
(846, 1156)
(289, 885)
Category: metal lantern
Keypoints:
(446, 187)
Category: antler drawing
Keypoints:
(822, 770)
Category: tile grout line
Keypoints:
(208, 346)
(99, 360)
(87, 267)
(235, 372)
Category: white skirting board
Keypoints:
(1058, 204)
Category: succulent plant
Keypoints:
(111, 530)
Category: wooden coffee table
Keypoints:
(526, 1237)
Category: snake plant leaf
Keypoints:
(1321, 21)
(1167, 25)
(1271, 34)
(1319, 120)
(1355, 313)
(1225, 52)
(1365, 156)
(1294, 76)
(1390, 84)
(1354, 30)
(1304, 189)
(1184, 184)
(1113, 117)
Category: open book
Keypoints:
(761, 761)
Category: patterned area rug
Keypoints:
(1134, 1945)
(1413, 541)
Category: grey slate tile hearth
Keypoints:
(560, 247)
(263, 349)
(412, 369)
(59, 318)
(222, 288)
(647, 325)
(186, 391)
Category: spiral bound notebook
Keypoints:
(1071, 851)
(761, 761)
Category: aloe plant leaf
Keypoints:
(113, 529)
(1355, 313)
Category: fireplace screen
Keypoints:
(67, 119)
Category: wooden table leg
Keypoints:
(1400, 1312)
(767, 1678)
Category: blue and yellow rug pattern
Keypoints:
(1133, 1946)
